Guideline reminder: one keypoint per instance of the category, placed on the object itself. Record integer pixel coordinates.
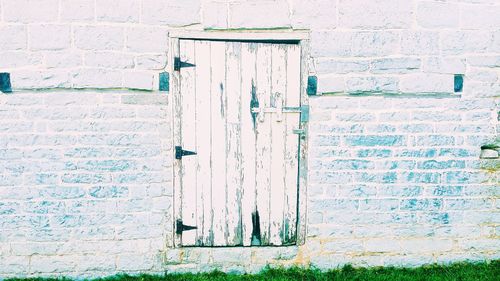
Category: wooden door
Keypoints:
(238, 108)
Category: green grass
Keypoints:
(456, 272)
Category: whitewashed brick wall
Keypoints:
(395, 176)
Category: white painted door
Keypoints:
(238, 109)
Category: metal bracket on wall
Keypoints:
(5, 86)
(164, 81)
(312, 86)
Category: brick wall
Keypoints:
(395, 176)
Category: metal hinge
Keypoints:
(179, 152)
(178, 64)
(180, 227)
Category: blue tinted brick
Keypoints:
(63, 192)
(377, 153)
(421, 153)
(446, 190)
(458, 177)
(414, 177)
(322, 140)
(108, 191)
(400, 191)
(435, 140)
(378, 204)
(350, 165)
(106, 165)
(421, 204)
(85, 178)
(8, 208)
(44, 207)
(433, 164)
(334, 204)
(438, 218)
(375, 140)
(390, 177)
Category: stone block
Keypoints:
(109, 60)
(481, 17)
(13, 37)
(259, 14)
(314, 14)
(97, 37)
(78, 10)
(171, 13)
(147, 40)
(437, 14)
(97, 78)
(376, 43)
(376, 14)
(215, 15)
(30, 11)
(427, 83)
(118, 10)
(50, 37)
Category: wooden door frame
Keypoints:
(302, 38)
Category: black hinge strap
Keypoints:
(179, 152)
(178, 64)
(180, 227)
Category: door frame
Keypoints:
(302, 38)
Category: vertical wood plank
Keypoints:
(176, 139)
(292, 121)
(305, 48)
(248, 134)
(278, 86)
(263, 145)
(188, 131)
(203, 144)
(218, 132)
(233, 149)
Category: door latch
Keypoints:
(180, 227)
(179, 152)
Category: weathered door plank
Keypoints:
(203, 129)
(248, 134)
(188, 131)
(218, 131)
(263, 141)
(292, 121)
(233, 148)
(277, 195)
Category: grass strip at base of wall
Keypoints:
(484, 271)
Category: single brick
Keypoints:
(259, 14)
(420, 43)
(375, 140)
(77, 10)
(99, 37)
(13, 37)
(171, 13)
(480, 17)
(147, 40)
(215, 15)
(97, 78)
(118, 10)
(50, 37)
(437, 14)
(376, 14)
(377, 43)
(31, 11)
